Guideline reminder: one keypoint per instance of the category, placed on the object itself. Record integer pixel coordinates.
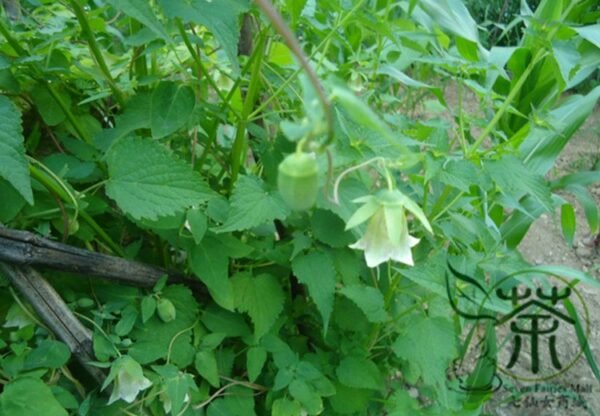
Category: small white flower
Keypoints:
(128, 379)
(387, 235)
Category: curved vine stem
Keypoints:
(351, 169)
(282, 28)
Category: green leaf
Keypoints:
(198, 223)
(171, 106)
(211, 264)
(239, 403)
(460, 174)
(317, 272)
(567, 221)
(307, 396)
(147, 181)
(369, 300)
(48, 354)
(47, 106)
(329, 229)
(220, 17)
(224, 321)
(148, 307)
(453, 16)
(255, 360)
(359, 373)
(504, 172)
(589, 205)
(432, 362)
(29, 396)
(252, 205)
(348, 400)
(12, 202)
(206, 365)
(141, 11)
(177, 389)
(286, 407)
(590, 33)
(155, 339)
(542, 146)
(261, 297)
(13, 165)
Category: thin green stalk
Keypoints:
(95, 49)
(461, 120)
(198, 62)
(238, 153)
(282, 28)
(294, 74)
(511, 96)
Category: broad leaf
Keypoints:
(316, 271)
(261, 297)
(359, 373)
(147, 181)
(211, 264)
(13, 165)
(369, 300)
(252, 205)
(171, 106)
(432, 362)
(29, 396)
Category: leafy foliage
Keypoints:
(155, 131)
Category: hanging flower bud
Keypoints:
(298, 180)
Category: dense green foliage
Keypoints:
(155, 130)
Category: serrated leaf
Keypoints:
(504, 172)
(252, 205)
(239, 403)
(369, 300)
(141, 11)
(261, 297)
(317, 272)
(460, 174)
(147, 181)
(220, 17)
(359, 373)
(171, 106)
(432, 362)
(13, 165)
(255, 360)
(29, 396)
(206, 365)
(211, 264)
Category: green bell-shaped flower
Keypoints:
(387, 235)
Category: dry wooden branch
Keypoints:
(55, 313)
(25, 248)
